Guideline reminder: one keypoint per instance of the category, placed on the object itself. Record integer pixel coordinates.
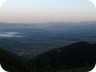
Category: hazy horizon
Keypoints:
(35, 11)
(50, 22)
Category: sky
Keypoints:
(47, 11)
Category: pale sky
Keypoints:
(47, 11)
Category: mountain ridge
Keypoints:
(76, 55)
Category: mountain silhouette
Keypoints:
(74, 56)
(12, 63)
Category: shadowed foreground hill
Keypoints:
(77, 55)
(73, 58)
(12, 63)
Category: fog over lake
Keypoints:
(9, 34)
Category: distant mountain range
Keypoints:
(51, 26)
(74, 56)
(76, 31)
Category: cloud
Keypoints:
(94, 2)
(2, 2)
